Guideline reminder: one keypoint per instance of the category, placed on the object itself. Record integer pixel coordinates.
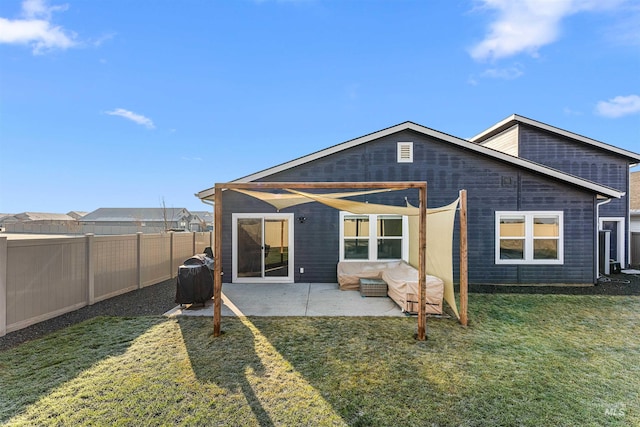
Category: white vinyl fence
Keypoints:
(44, 278)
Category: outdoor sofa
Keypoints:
(401, 279)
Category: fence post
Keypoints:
(3, 286)
(171, 254)
(193, 250)
(139, 258)
(90, 269)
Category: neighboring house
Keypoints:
(634, 201)
(133, 220)
(39, 222)
(76, 214)
(5, 217)
(201, 221)
(534, 202)
(634, 215)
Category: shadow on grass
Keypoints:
(243, 361)
(371, 370)
(358, 371)
(225, 360)
(32, 370)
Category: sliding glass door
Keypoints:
(263, 247)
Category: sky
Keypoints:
(117, 103)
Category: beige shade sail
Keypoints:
(440, 222)
(293, 198)
(360, 207)
(439, 254)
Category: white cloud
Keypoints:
(510, 73)
(619, 106)
(130, 115)
(34, 9)
(527, 25)
(35, 29)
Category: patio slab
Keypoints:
(292, 299)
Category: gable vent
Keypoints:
(405, 152)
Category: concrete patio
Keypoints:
(291, 299)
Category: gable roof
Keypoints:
(135, 214)
(77, 214)
(206, 216)
(515, 119)
(43, 216)
(462, 143)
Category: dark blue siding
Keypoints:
(491, 186)
(578, 159)
(583, 160)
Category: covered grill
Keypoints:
(195, 280)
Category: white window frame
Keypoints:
(373, 237)
(528, 237)
(234, 242)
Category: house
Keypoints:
(5, 217)
(133, 220)
(634, 217)
(576, 155)
(76, 214)
(536, 197)
(39, 222)
(201, 221)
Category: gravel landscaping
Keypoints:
(157, 299)
(152, 300)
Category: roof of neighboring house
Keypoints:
(76, 214)
(42, 216)
(634, 191)
(516, 119)
(206, 216)
(462, 143)
(136, 214)
(7, 218)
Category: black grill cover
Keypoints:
(195, 280)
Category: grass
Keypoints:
(530, 360)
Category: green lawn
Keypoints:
(530, 360)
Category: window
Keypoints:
(529, 238)
(373, 237)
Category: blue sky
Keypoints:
(128, 103)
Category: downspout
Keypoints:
(597, 246)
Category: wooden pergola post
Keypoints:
(422, 266)
(217, 270)
(217, 280)
(464, 273)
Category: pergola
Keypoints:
(422, 190)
